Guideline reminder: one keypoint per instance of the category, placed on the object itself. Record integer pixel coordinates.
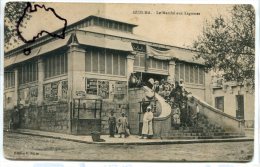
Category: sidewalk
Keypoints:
(131, 140)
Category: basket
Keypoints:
(95, 136)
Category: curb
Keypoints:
(161, 142)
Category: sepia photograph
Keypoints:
(129, 82)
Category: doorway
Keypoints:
(239, 106)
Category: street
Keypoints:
(18, 146)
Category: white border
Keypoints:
(256, 159)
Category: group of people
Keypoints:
(185, 109)
(119, 125)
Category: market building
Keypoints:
(70, 85)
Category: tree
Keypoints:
(13, 12)
(227, 44)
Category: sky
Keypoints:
(174, 29)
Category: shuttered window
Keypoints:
(55, 65)
(105, 62)
(9, 78)
(28, 72)
(189, 73)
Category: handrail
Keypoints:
(204, 104)
(166, 108)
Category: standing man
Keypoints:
(112, 124)
(14, 119)
(147, 130)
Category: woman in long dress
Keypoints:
(147, 130)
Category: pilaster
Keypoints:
(171, 71)
(40, 81)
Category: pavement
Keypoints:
(131, 140)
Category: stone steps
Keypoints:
(203, 130)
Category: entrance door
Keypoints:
(240, 107)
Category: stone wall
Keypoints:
(135, 95)
(53, 118)
(107, 107)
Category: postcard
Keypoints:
(129, 82)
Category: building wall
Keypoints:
(230, 104)
(52, 117)
(198, 91)
(9, 102)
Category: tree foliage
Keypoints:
(13, 12)
(228, 44)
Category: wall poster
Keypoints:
(51, 91)
(103, 89)
(64, 90)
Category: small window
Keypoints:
(219, 103)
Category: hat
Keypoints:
(149, 107)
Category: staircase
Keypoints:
(212, 123)
(203, 130)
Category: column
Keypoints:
(130, 69)
(40, 98)
(15, 98)
(76, 76)
(130, 64)
(76, 70)
(171, 71)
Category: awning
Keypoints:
(21, 57)
(56, 44)
(178, 53)
(103, 42)
(36, 51)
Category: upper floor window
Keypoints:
(158, 64)
(55, 65)
(9, 78)
(189, 73)
(28, 72)
(105, 61)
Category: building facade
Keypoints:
(234, 99)
(94, 61)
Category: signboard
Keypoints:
(91, 86)
(120, 87)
